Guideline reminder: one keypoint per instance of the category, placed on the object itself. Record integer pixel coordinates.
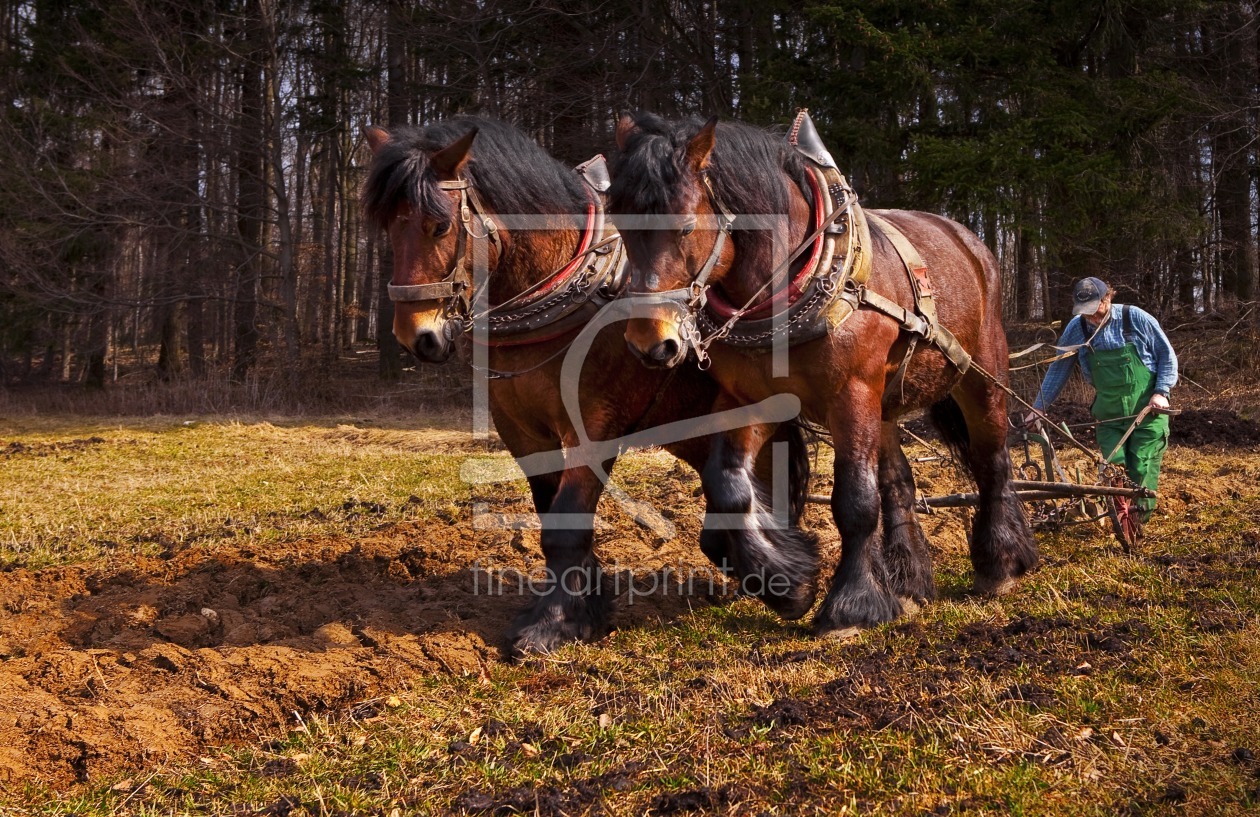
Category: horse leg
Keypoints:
(543, 488)
(771, 558)
(973, 423)
(767, 468)
(574, 603)
(695, 452)
(766, 471)
(860, 594)
(906, 554)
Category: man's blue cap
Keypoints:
(1087, 294)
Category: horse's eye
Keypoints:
(688, 228)
(441, 228)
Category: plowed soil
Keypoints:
(161, 658)
(158, 658)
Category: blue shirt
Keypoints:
(1152, 345)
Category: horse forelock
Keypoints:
(650, 176)
(752, 170)
(510, 172)
(401, 173)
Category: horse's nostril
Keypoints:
(665, 351)
(429, 345)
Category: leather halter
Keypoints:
(455, 288)
(555, 297)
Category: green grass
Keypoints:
(1106, 684)
(71, 493)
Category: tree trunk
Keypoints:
(1231, 148)
(251, 204)
(390, 361)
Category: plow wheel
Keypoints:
(1126, 520)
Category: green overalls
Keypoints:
(1124, 386)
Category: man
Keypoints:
(1126, 356)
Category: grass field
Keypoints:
(1106, 684)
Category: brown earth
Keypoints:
(113, 668)
(151, 659)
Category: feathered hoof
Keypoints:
(546, 627)
(855, 607)
(992, 587)
(794, 604)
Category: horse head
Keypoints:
(677, 187)
(418, 191)
(674, 231)
(483, 224)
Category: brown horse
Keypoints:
(855, 369)
(478, 214)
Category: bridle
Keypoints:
(692, 299)
(455, 290)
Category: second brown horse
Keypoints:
(674, 179)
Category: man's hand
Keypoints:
(1159, 401)
(1030, 419)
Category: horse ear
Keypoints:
(377, 138)
(450, 160)
(701, 145)
(625, 127)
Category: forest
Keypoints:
(180, 180)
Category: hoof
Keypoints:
(856, 607)
(909, 607)
(546, 628)
(842, 635)
(537, 638)
(992, 588)
(794, 604)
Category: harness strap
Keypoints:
(926, 326)
(425, 292)
(924, 292)
(724, 229)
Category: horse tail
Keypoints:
(947, 418)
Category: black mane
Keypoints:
(646, 174)
(510, 172)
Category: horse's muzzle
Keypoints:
(430, 346)
(423, 332)
(666, 354)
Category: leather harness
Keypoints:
(832, 285)
(561, 302)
